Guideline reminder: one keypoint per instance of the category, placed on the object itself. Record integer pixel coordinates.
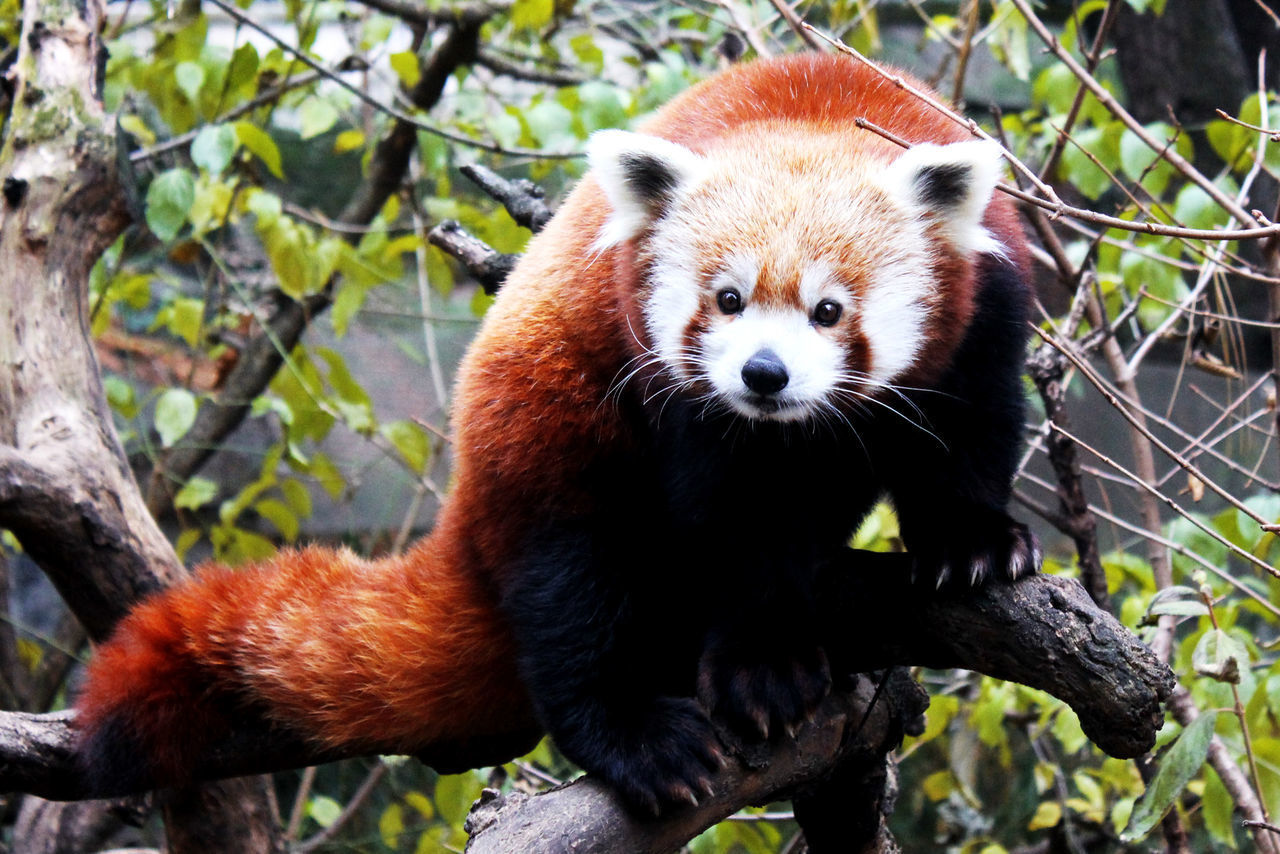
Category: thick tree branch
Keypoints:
(1043, 631)
(849, 729)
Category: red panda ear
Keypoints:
(641, 175)
(953, 183)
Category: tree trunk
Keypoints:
(66, 490)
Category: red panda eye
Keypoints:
(729, 301)
(827, 313)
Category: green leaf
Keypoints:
(505, 129)
(405, 65)
(260, 143)
(317, 116)
(136, 127)
(1139, 161)
(291, 250)
(120, 396)
(1195, 208)
(552, 125)
(175, 413)
(186, 540)
(297, 497)
(601, 106)
(328, 475)
(480, 302)
(1179, 601)
(376, 31)
(234, 546)
(344, 384)
(421, 803)
(346, 304)
(168, 199)
(348, 140)
(1082, 172)
(531, 14)
(1182, 761)
(1219, 656)
(213, 148)
(242, 71)
(1230, 141)
(1055, 88)
(411, 441)
(588, 52)
(212, 204)
(1218, 810)
(183, 317)
(454, 795)
(281, 516)
(195, 493)
(267, 207)
(942, 709)
(1009, 43)
(391, 825)
(190, 78)
(1066, 728)
(324, 810)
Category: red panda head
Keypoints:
(786, 272)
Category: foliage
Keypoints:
(246, 160)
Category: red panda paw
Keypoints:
(667, 760)
(763, 688)
(983, 547)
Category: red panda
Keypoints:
(748, 323)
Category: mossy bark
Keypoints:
(66, 490)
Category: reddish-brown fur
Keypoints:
(408, 652)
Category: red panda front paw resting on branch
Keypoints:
(749, 323)
(762, 682)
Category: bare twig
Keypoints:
(382, 107)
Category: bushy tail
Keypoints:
(399, 655)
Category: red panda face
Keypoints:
(788, 274)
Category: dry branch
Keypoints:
(488, 266)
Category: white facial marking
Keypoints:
(740, 272)
(813, 362)
(883, 279)
(672, 303)
(893, 315)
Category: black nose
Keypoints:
(764, 373)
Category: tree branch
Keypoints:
(487, 265)
(264, 353)
(1044, 632)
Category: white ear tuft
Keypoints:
(953, 183)
(641, 175)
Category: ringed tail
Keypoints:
(399, 655)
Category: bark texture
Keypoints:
(1042, 631)
(66, 490)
